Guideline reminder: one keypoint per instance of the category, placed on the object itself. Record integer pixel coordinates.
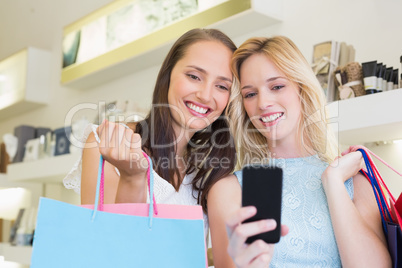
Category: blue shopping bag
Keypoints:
(67, 235)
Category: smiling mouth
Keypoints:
(197, 109)
(271, 118)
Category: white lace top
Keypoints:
(164, 191)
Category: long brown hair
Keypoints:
(211, 144)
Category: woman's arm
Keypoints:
(229, 235)
(357, 224)
(89, 175)
(224, 199)
(121, 148)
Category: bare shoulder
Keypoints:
(91, 138)
(226, 186)
(91, 149)
(224, 195)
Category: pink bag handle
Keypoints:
(99, 197)
(355, 147)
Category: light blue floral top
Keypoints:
(311, 240)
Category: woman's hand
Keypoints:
(121, 147)
(343, 168)
(258, 253)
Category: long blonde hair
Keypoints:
(313, 128)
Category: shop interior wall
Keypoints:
(371, 26)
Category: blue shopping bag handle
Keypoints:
(381, 202)
(151, 189)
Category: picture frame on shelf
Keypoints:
(32, 150)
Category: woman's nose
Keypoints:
(205, 93)
(264, 100)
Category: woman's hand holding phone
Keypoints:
(258, 253)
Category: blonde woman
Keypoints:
(329, 212)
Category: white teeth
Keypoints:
(196, 108)
(271, 118)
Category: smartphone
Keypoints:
(262, 188)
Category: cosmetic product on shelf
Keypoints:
(400, 82)
(370, 76)
(396, 76)
(379, 77)
(384, 80)
(388, 75)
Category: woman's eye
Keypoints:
(222, 87)
(277, 87)
(249, 95)
(194, 77)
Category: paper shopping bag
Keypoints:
(390, 214)
(394, 238)
(138, 235)
(395, 233)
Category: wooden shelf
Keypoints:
(234, 17)
(48, 170)
(368, 118)
(20, 254)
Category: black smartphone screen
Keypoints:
(262, 188)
